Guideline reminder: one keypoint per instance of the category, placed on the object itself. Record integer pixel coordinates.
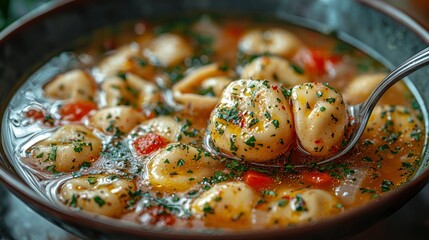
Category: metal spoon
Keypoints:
(359, 113)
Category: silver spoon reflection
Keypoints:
(359, 113)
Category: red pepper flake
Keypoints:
(242, 119)
(335, 149)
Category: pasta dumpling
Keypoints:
(291, 207)
(274, 69)
(130, 90)
(158, 132)
(106, 195)
(116, 120)
(73, 86)
(392, 123)
(320, 118)
(252, 121)
(274, 41)
(178, 167)
(226, 205)
(67, 149)
(200, 90)
(168, 49)
(126, 59)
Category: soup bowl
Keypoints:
(372, 26)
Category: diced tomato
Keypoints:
(39, 115)
(317, 62)
(317, 179)
(257, 180)
(159, 215)
(35, 114)
(149, 143)
(76, 111)
(234, 31)
(149, 114)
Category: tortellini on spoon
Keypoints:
(252, 121)
(320, 116)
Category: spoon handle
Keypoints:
(362, 112)
(409, 66)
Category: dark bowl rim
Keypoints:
(42, 205)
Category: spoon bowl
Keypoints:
(360, 113)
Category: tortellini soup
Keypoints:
(213, 123)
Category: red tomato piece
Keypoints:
(76, 111)
(35, 114)
(160, 215)
(317, 178)
(149, 143)
(234, 31)
(257, 180)
(317, 62)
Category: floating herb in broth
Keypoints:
(122, 131)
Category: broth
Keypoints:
(117, 126)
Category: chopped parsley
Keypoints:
(100, 202)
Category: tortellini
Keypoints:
(67, 149)
(167, 50)
(116, 120)
(226, 205)
(297, 206)
(169, 128)
(361, 87)
(274, 69)
(200, 90)
(130, 90)
(393, 123)
(125, 59)
(274, 41)
(178, 167)
(73, 86)
(101, 194)
(252, 121)
(320, 118)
